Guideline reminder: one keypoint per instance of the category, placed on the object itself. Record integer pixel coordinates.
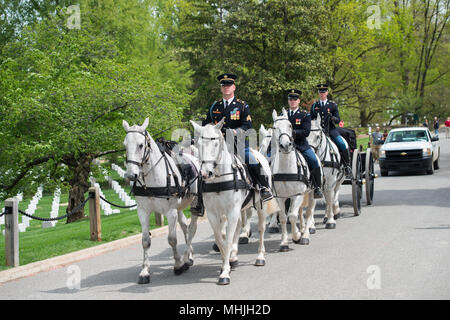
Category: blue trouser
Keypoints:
(339, 142)
(250, 158)
(310, 158)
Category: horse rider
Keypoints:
(237, 118)
(329, 115)
(301, 126)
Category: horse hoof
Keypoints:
(243, 240)
(273, 230)
(223, 281)
(190, 263)
(296, 241)
(250, 233)
(144, 279)
(312, 230)
(337, 216)
(304, 241)
(215, 247)
(260, 263)
(330, 226)
(284, 248)
(234, 264)
(182, 269)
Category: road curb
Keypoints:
(69, 258)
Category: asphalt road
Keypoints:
(398, 248)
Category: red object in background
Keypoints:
(341, 124)
(447, 123)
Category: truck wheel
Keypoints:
(431, 170)
(436, 163)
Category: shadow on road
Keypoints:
(420, 197)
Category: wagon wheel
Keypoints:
(369, 175)
(356, 182)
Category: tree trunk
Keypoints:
(363, 117)
(79, 186)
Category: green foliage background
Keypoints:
(64, 92)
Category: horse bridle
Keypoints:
(147, 149)
(145, 157)
(320, 142)
(291, 139)
(219, 156)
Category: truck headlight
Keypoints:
(382, 154)
(426, 152)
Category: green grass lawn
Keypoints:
(363, 142)
(38, 243)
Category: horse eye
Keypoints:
(141, 146)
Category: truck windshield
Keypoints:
(407, 135)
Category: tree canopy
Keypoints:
(65, 92)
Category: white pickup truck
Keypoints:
(409, 149)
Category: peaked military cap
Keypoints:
(322, 87)
(294, 93)
(226, 78)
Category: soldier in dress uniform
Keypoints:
(301, 126)
(237, 117)
(329, 115)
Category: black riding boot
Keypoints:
(316, 179)
(197, 208)
(345, 156)
(262, 182)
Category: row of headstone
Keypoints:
(105, 206)
(121, 193)
(54, 211)
(118, 169)
(117, 187)
(31, 209)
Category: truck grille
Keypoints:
(404, 154)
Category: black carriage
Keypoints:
(363, 170)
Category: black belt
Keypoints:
(157, 192)
(225, 186)
(290, 177)
(331, 164)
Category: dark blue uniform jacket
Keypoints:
(326, 112)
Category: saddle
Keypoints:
(187, 170)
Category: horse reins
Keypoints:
(289, 176)
(157, 192)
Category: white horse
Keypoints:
(149, 168)
(266, 138)
(329, 155)
(224, 191)
(246, 232)
(290, 178)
